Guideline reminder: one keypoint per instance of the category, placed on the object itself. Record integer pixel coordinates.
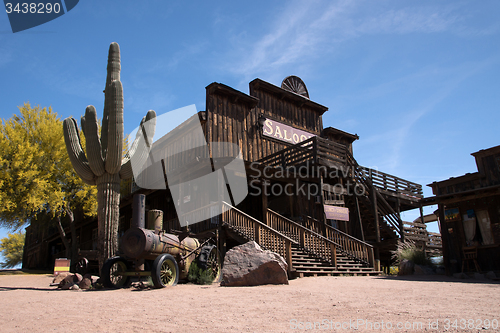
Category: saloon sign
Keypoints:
(282, 132)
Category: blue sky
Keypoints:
(418, 81)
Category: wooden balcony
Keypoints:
(323, 152)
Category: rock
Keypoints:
(406, 267)
(67, 286)
(92, 278)
(74, 287)
(479, 276)
(490, 275)
(423, 270)
(249, 265)
(86, 283)
(71, 279)
(78, 277)
(59, 277)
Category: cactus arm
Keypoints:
(75, 151)
(113, 74)
(82, 124)
(139, 149)
(149, 127)
(91, 130)
(115, 129)
(114, 66)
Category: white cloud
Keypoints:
(396, 140)
(305, 29)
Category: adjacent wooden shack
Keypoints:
(469, 215)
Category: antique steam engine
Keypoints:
(163, 256)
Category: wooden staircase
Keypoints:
(381, 222)
(305, 251)
(306, 264)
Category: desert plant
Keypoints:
(103, 165)
(409, 251)
(198, 275)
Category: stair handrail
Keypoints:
(350, 245)
(308, 239)
(339, 231)
(359, 174)
(259, 232)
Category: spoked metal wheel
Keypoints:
(165, 271)
(213, 265)
(82, 266)
(113, 272)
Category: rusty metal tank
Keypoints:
(140, 243)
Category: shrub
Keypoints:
(409, 251)
(198, 275)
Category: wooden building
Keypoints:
(308, 199)
(469, 215)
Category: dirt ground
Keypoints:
(361, 304)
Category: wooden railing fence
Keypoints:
(307, 239)
(348, 244)
(259, 232)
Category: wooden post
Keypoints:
(401, 224)
(371, 257)
(257, 233)
(322, 206)
(377, 228)
(421, 208)
(375, 213)
(444, 240)
(359, 218)
(302, 237)
(333, 250)
(264, 184)
(288, 251)
(315, 150)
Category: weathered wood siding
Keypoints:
(231, 119)
(232, 116)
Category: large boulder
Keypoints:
(249, 265)
(406, 267)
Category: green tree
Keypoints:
(12, 248)
(37, 180)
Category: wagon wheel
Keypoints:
(295, 84)
(112, 272)
(82, 266)
(165, 271)
(213, 266)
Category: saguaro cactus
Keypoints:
(103, 165)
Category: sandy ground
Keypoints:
(361, 304)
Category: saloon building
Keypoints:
(305, 196)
